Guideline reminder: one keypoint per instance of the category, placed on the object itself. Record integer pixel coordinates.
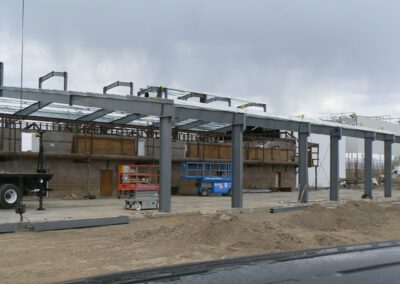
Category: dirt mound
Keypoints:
(151, 242)
(234, 232)
(349, 216)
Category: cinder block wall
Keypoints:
(79, 176)
(264, 176)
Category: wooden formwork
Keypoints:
(218, 151)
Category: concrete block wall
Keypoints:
(53, 142)
(263, 177)
(82, 177)
(153, 148)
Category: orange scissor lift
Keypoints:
(140, 186)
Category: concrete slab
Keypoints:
(58, 209)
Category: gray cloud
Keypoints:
(297, 56)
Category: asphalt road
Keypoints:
(345, 264)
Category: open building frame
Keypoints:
(180, 113)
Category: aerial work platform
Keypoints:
(211, 177)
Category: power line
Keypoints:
(22, 51)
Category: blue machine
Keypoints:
(214, 178)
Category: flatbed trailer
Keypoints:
(15, 185)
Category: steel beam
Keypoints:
(53, 74)
(304, 132)
(263, 106)
(368, 140)
(129, 104)
(80, 223)
(287, 209)
(273, 123)
(7, 228)
(158, 90)
(388, 166)
(237, 162)
(220, 99)
(203, 114)
(94, 115)
(334, 165)
(152, 106)
(202, 97)
(118, 84)
(32, 108)
(224, 129)
(165, 163)
(191, 125)
(128, 118)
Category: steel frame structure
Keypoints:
(54, 74)
(170, 111)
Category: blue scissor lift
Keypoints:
(211, 177)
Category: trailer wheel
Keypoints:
(9, 195)
(204, 192)
(138, 206)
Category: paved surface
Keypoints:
(59, 209)
(379, 265)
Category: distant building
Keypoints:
(352, 149)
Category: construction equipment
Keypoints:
(211, 177)
(139, 185)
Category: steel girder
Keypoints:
(154, 106)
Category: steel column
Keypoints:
(368, 165)
(1, 74)
(65, 81)
(165, 163)
(334, 165)
(304, 132)
(388, 166)
(237, 166)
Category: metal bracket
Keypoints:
(305, 128)
(54, 74)
(167, 110)
(117, 84)
(202, 97)
(390, 138)
(370, 135)
(158, 90)
(264, 106)
(221, 99)
(337, 132)
(239, 119)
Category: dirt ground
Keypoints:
(29, 257)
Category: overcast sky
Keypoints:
(298, 56)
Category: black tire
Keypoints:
(204, 192)
(10, 194)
